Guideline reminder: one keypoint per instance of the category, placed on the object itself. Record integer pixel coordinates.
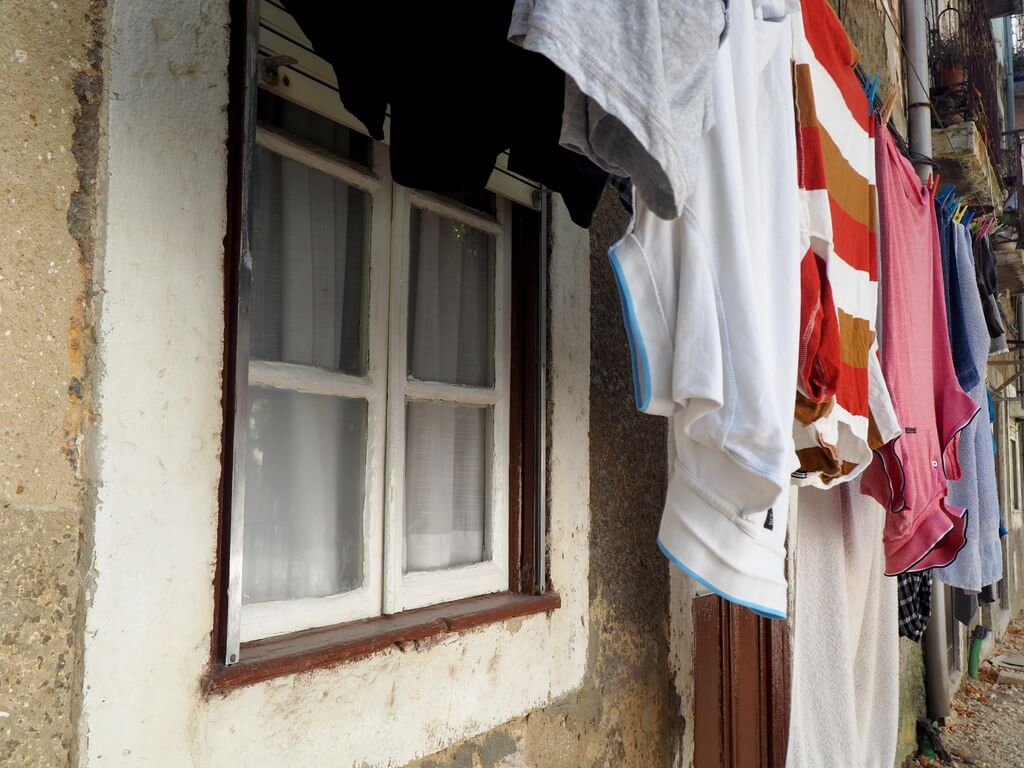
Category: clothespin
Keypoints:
(961, 210)
(967, 219)
(952, 204)
(870, 88)
(945, 192)
(887, 107)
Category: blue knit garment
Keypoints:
(980, 561)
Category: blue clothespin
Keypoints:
(871, 88)
(966, 220)
(952, 203)
(945, 191)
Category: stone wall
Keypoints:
(51, 63)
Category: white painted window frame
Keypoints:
(405, 591)
(268, 619)
(386, 388)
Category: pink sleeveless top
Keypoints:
(909, 475)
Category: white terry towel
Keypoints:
(845, 696)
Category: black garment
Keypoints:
(459, 94)
(965, 604)
(623, 185)
(988, 286)
(914, 592)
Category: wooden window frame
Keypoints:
(323, 646)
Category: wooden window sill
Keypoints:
(327, 646)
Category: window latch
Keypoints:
(269, 66)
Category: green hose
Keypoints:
(977, 637)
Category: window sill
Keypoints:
(327, 646)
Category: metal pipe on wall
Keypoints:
(919, 119)
(1011, 111)
(919, 114)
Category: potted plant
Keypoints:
(947, 62)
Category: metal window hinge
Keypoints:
(269, 66)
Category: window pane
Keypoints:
(310, 241)
(451, 302)
(447, 453)
(314, 128)
(304, 470)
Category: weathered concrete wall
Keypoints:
(160, 336)
(873, 25)
(912, 697)
(626, 713)
(51, 59)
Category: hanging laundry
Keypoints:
(711, 304)
(988, 287)
(843, 409)
(914, 593)
(909, 476)
(457, 99)
(980, 562)
(966, 604)
(844, 706)
(959, 304)
(638, 85)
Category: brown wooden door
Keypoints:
(741, 687)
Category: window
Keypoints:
(383, 399)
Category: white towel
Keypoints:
(845, 691)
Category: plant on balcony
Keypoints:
(947, 58)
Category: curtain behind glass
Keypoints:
(451, 322)
(305, 454)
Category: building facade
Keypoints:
(121, 232)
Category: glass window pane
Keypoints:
(310, 249)
(446, 488)
(314, 128)
(304, 470)
(451, 302)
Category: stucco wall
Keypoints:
(160, 336)
(873, 27)
(50, 87)
(627, 711)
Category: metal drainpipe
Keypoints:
(919, 118)
(919, 113)
(1011, 105)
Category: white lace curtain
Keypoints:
(305, 453)
(450, 333)
(305, 458)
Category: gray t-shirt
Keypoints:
(638, 85)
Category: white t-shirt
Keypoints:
(711, 302)
(637, 91)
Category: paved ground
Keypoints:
(987, 727)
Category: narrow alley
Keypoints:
(984, 728)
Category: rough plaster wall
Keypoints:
(879, 45)
(627, 712)
(912, 697)
(158, 467)
(50, 81)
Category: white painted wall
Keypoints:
(157, 466)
